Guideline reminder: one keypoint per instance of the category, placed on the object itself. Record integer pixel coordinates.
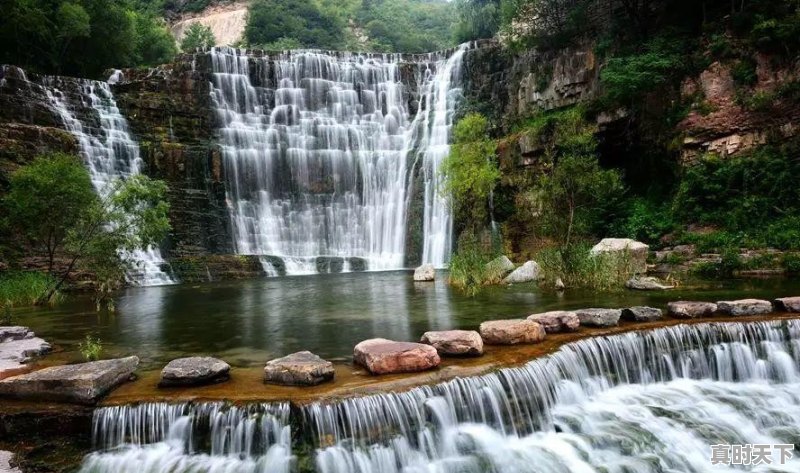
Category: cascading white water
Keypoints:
(313, 150)
(207, 437)
(434, 122)
(110, 153)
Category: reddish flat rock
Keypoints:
(691, 309)
(381, 356)
(788, 304)
(455, 342)
(557, 321)
(511, 332)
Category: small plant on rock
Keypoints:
(91, 348)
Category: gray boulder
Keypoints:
(5, 462)
(18, 345)
(424, 273)
(640, 283)
(500, 266)
(599, 317)
(455, 342)
(298, 369)
(557, 321)
(84, 383)
(194, 371)
(744, 307)
(530, 271)
(512, 332)
(642, 314)
(788, 304)
(691, 309)
(635, 250)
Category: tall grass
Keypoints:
(469, 269)
(577, 267)
(25, 288)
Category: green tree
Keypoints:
(301, 20)
(477, 19)
(197, 36)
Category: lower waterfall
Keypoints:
(637, 402)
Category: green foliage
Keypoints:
(646, 220)
(791, 263)
(24, 289)
(81, 37)
(91, 348)
(469, 171)
(477, 19)
(577, 267)
(468, 265)
(744, 72)
(282, 44)
(198, 36)
(301, 20)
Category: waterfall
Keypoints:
(636, 402)
(439, 97)
(109, 152)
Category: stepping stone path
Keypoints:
(84, 383)
(425, 273)
(642, 314)
(788, 304)
(455, 342)
(557, 321)
(512, 332)
(298, 369)
(382, 356)
(744, 307)
(599, 317)
(17, 346)
(194, 371)
(691, 309)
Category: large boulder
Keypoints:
(424, 273)
(691, 309)
(84, 383)
(744, 307)
(455, 342)
(5, 462)
(512, 332)
(642, 314)
(381, 356)
(194, 371)
(557, 321)
(788, 304)
(500, 266)
(599, 317)
(635, 250)
(18, 345)
(530, 271)
(298, 369)
(640, 283)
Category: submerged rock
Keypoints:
(557, 321)
(194, 371)
(512, 332)
(530, 271)
(691, 309)
(599, 317)
(455, 342)
(17, 346)
(635, 250)
(744, 307)
(382, 356)
(788, 304)
(84, 383)
(642, 314)
(298, 369)
(426, 272)
(500, 266)
(647, 284)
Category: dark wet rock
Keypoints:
(744, 307)
(382, 356)
(512, 332)
(599, 317)
(357, 264)
(298, 369)
(455, 342)
(557, 321)
(642, 314)
(788, 304)
(83, 383)
(530, 271)
(691, 309)
(424, 273)
(194, 371)
(647, 284)
(329, 264)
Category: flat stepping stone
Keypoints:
(599, 317)
(455, 342)
(557, 321)
(18, 345)
(512, 332)
(691, 309)
(382, 356)
(788, 304)
(298, 369)
(84, 383)
(194, 371)
(642, 314)
(744, 307)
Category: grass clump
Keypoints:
(91, 348)
(577, 267)
(25, 288)
(469, 266)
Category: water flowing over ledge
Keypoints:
(639, 401)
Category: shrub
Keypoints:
(198, 36)
(577, 267)
(791, 263)
(91, 348)
(468, 265)
(25, 288)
